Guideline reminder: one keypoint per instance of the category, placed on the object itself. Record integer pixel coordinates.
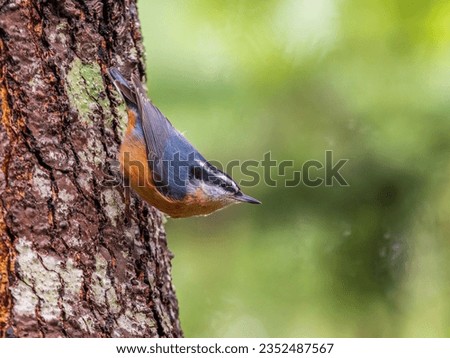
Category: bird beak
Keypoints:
(246, 198)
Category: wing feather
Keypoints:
(156, 127)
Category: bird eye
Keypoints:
(231, 189)
(228, 186)
(198, 173)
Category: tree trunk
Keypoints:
(73, 261)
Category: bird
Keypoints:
(162, 166)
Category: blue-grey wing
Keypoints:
(155, 125)
(157, 133)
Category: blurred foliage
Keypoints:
(368, 80)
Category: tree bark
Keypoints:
(73, 262)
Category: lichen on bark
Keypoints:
(85, 89)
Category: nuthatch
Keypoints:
(161, 165)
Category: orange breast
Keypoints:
(135, 168)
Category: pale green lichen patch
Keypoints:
(133, 323)
(102, 289)
(61, 26)
(113, 205)
(87, 324)
(45, 283)
(73, 279)
(25, 300)
(59, 34)
(85, 88)
(92, 156)
(41, 282)
(41, 183)
(65, 202)
(113, 302)
(28, 261)
(95, 153)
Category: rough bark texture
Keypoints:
(71, 263)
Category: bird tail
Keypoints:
(123, 86)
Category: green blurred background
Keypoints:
(368, 80)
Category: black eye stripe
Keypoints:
(210, 174)
(229, 188)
